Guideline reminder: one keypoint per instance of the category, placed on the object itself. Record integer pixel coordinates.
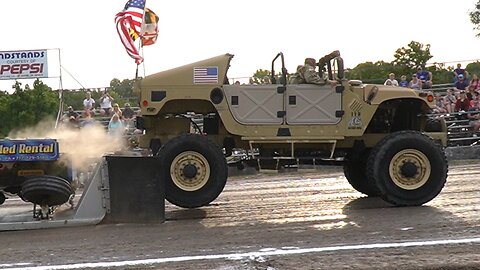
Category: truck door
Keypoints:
(313, 104)
(255, 104)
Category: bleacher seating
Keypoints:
(102, 120)
(460, 133)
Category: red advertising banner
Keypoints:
(23, 64)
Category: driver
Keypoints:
(297, 77)
(307, 74)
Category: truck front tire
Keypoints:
(194, 170)
(408, 167)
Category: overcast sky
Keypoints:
(254, 31)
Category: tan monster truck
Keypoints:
(388, 145)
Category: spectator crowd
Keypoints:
(462, 100)
(422, 79)
(462, 97)
(120, 121)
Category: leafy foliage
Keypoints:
(414, 55)
(258, 76)
(75, 98)
(123, 88)
(473, 68)
(121, 91)
(441, 75)
(406, 60)
(27, 106)
(475, 17)
(371, 72)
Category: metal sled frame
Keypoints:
(90, 209)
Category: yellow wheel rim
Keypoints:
(194, 160)
(410, 169)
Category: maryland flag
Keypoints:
(149, 28)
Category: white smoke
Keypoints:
(81, 146)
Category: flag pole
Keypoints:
(143, 54)
(140, 38)
(139, 48)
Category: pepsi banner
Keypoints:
(29, 64)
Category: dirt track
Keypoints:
(306, 220)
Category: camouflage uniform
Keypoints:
(298, 78)
(307, 74)
(311, 76)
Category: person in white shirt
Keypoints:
(88, 103)
(106, 103)
(391, 80)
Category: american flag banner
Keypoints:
(129, 25)
(133, 11)
(205, 75)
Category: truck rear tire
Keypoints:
(194, 170)
(354, 168)
(408, 167)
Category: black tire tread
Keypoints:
(356, 175)
(218, 171)
(379, 150)
(40, 189)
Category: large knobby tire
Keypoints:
(46, 190)
(408, 167)
(354, 168)
(194, 170)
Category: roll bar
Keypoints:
(327, 60)
(284, 70)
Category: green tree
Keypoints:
(4, 104)
(475, 17)
(74, 99)
(27, 106)
(405, 63)
(414, 55)
(123, 88)
(368, 71)
(441, 75)
(377, 72)
(473, 68)
(259, 74)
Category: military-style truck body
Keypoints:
(288, 123)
